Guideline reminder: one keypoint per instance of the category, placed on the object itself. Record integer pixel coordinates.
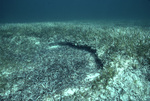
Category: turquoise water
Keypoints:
(62, 10)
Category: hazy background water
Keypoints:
(62, 10)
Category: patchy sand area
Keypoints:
(75, 61)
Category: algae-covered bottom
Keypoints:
(75, 61)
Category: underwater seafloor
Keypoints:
(75, 61)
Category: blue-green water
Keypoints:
(62, 10)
